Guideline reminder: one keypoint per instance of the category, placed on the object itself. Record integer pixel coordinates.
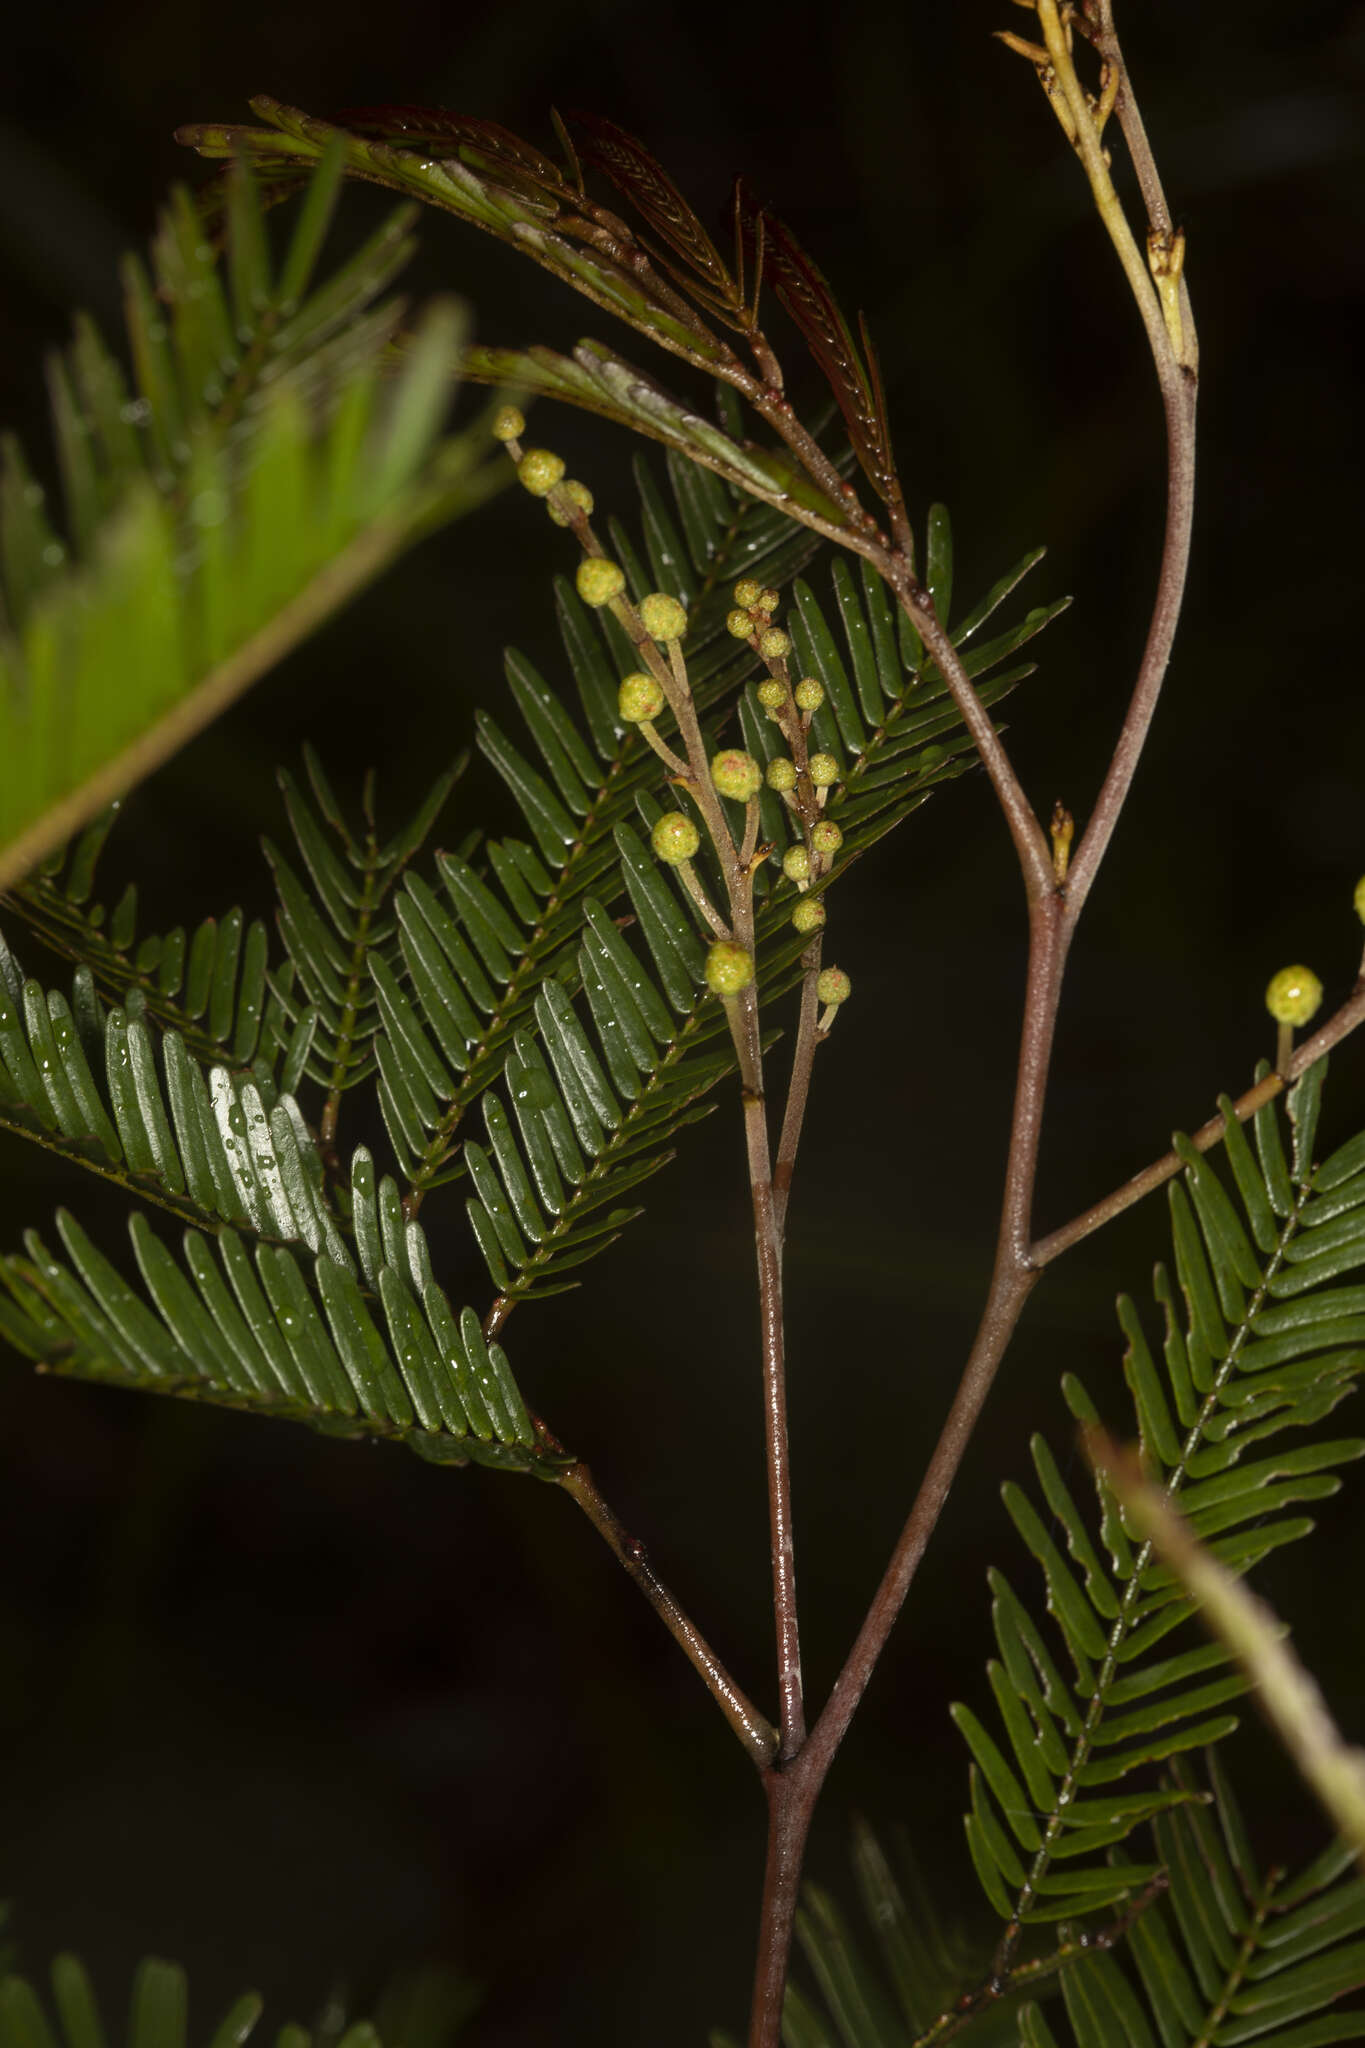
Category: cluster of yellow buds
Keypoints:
(755, 607)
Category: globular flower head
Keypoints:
(834, 986)
(1360, 899)
(599, 581)
(809, 694)
(824, 770)
(826, 837)
(1294, 995)
(639, 698)
(769, 600)
(674, 838)
(508, 424)
(736, 774)
(748, 592)
(796, 864)
(809, 915)
(578, 496)
(771, 694)
(773, 643)
(662, 616)
(539, 471)
(781, 773)
(729, 968)
(740, 624)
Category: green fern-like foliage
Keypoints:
(315, 1009)
(1260, 1342)
(274, 1332)
(1228, 1954)
(158, 2015)
(1214, 1951)
(225, 1145)
(552, 983)
(491, 963)
(887, 1991)
(259, 470)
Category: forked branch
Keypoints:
(1056, 897)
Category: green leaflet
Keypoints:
(1257, 1345)
(254, 475)
(110, 1092)
(277, 1332)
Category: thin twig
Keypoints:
(798, 1087)
(757, 1734)
(1346, 1020)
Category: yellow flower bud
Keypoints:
(729, 968)
(674, 838)
(781, 773)
(1294, 995)
(662, 616)
(809, 915)
(770, 693)
(599, 581)
(747, 592)
(834, 986)
(508, 424)
(773, 643)
(769, 600)
(740, 624)
(826, 836)
(796, 864)
(809, 694)
(578, 494)
(736, 774)
(824, 770)
(539, 471)
(639, 698)
(1360, 899)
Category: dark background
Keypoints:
(302, 1714)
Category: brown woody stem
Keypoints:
(756, 1733)
(1055, 904)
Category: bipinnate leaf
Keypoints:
(591, 1092)
(1260, 1339)
(645, 182)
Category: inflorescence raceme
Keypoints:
(716, 791)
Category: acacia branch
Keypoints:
(1055, 903)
